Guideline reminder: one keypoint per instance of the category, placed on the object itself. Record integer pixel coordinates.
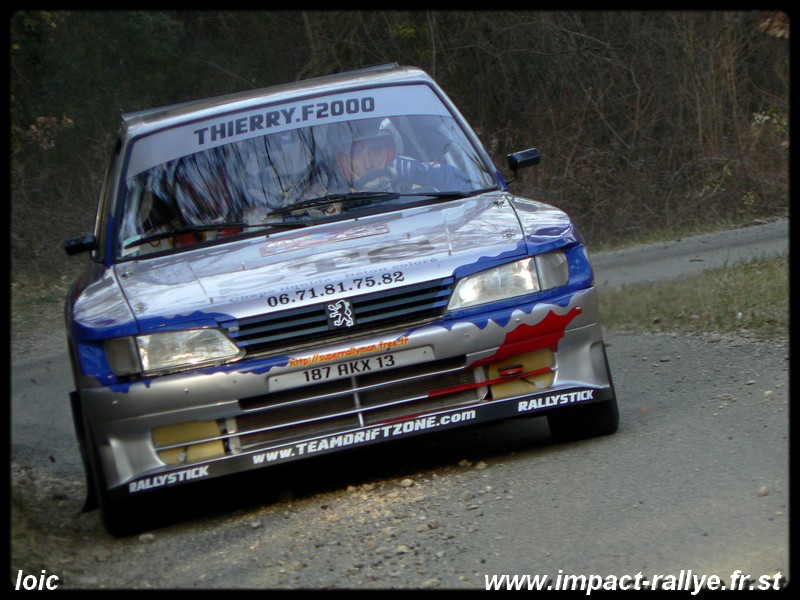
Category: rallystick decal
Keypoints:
(167, 479)
(488, 411)
(485, 412)
(555, 400)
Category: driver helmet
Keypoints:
(364, 151)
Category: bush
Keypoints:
(646, 120)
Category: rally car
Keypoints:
(312, 267)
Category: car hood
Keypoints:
(288, 269)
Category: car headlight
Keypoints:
(169, 351)
(527, 276)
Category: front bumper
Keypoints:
(177, 428)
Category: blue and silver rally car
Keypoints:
(312, 267)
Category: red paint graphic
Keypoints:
(525, 338)
(528, 338)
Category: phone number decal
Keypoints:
(339, 287)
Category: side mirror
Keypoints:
(83, 243)
(523, 158)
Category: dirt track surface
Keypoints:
(664, 260)
(696, 478)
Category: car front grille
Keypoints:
(280, 329)
(361, 399)
(357, 401)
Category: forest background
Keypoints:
(649, 122)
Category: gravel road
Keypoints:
(696, 478)
(664, 260)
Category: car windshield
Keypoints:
(294, 164)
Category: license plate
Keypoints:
(349, 368)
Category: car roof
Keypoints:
(139, 122)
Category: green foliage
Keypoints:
(646, 119)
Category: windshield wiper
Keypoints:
(366, 195)
(331, 198)
(212, 227)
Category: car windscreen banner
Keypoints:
(170, 144)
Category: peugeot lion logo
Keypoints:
(340, 314)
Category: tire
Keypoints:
(119, 517)
(581, 422)
(587, 421)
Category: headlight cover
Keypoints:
(170, 351)
(526, 276)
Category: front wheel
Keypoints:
(119, 517)
(580, 422)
